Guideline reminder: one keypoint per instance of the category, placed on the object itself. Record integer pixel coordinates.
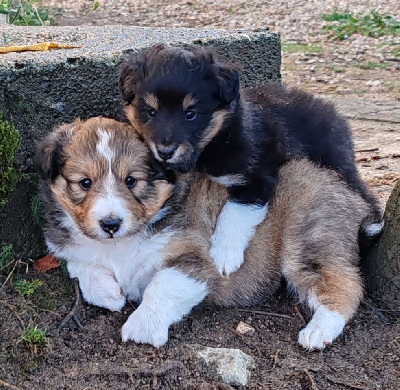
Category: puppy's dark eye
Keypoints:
(85, 184)
(190, 115)
(130, 182)
(151, 112)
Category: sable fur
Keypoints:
(243, 133)
(309, 235)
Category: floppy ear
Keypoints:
(133, 70)
(228, 77)
(49, 152)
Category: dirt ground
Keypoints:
(365, 356)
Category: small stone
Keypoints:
(232, 365)
(373, 83)
(245, 329)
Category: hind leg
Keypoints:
(333, 292)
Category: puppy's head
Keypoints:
(178, 100)
(99, 172)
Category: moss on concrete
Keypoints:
(9, 142)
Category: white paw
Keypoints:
(227, 256)
(323, 328)
(101, 289)
(111, 300)
(144, 327)
(235, 228)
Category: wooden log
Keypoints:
(382, 264)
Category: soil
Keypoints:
(365, 356)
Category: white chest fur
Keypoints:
(128, 264)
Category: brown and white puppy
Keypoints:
(127, 233)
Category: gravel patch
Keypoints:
(318, 63)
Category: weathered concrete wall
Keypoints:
(41, 89)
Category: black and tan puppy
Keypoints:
(190, 110)
(127, 233)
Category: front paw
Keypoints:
(143, 327)
(103, 291)
(323, 328)
(235, 228)
(112, 302)
(227, 257)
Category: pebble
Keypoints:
(373, 83)
(231, 365)
(245, 329)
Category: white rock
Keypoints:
(373, 83)
(245, 329)
(232, 365)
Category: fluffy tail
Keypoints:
(369, 233)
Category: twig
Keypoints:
(78, 322)
(367, 150)
(37, 14)
(6, 265)
(276, 358)
(266, 313)
(46, 310)
(297, 310)
(9, 275)
(72, 313)
(95, 5)
(311, 379)
(5, 384)
(337, 382)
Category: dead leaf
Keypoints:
(37, 47)
(46, 263)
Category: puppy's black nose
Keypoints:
(111, 225)
(166, 152)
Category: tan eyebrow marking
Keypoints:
(151, 100)
(188, 101)
(213, 128)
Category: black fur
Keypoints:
(264, 127)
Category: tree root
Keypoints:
(72, 314)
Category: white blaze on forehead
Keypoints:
(104, 149)
(103, 146)
(110, 204)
